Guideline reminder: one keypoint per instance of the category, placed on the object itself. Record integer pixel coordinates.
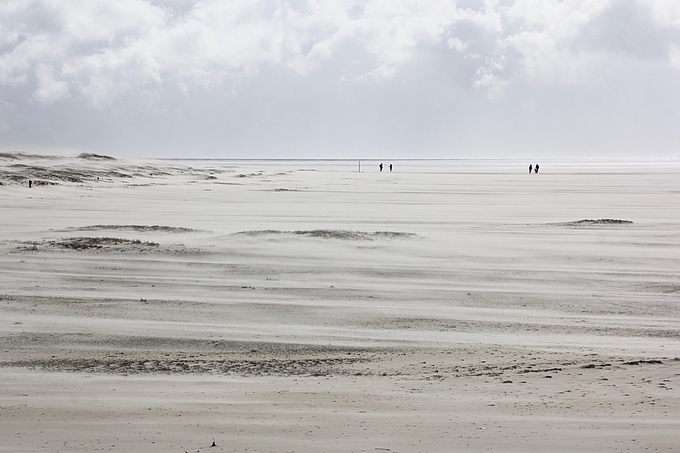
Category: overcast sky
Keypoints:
(341, 78)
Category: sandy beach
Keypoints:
(292, 306)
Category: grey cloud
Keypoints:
(103, 49)
(626, 27)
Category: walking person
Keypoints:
(380, 166)
(531, 168)
(536, 169)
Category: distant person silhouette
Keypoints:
(536, 170)
(380, 166)
(390, 167)
(531, 168)
(30, 183)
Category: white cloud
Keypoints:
(666, 13)
(490, 82)
(49, 89)
(20, 56)
(545, 35)
(106, 21)
(106, 49)
(392, 31)
(674, 55)
(456, 44)
(105, 75)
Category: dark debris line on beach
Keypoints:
(334, 234)
(594, 222)
(141, 228)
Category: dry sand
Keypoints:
(307, 307)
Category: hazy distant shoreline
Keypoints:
(449, 165)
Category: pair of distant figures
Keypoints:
(535, 169)
(381, 166)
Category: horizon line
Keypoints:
(402, 159)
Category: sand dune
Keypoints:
(158, 306)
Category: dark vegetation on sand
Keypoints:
(140, 228)
(53, 174)
(87, 243)
(21, 156)
(93, 156)
(596, 222)
(87, 168)
(112, 245)
(335, 234)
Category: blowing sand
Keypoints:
(307, 307)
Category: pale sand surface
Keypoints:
(304, 307)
